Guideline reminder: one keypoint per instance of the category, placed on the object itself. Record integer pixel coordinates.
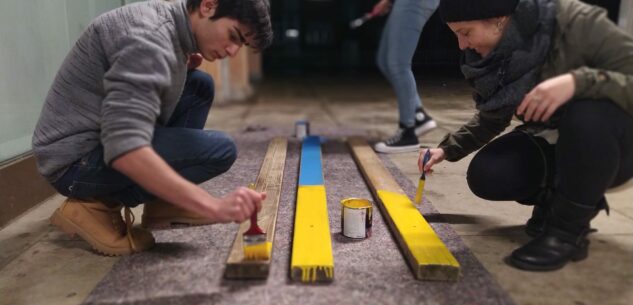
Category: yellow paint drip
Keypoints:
(259, 252)
(425, 246)
(309, 273)
(312, 243)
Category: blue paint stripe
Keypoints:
(310, 168)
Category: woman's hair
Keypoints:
(465, 10)
(254, 14)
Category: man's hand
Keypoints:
(194, 61)
(437, 156)
(238, 206)
(540, 103)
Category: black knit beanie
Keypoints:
(465, 10)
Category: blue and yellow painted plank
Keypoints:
(312, 259)
(427, 255)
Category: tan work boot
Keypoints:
(160, 214)
(102, 227)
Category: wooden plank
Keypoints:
(426, 254)
(269, 180)
(312, 259)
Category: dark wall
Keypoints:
(313, 36)
(612, 6)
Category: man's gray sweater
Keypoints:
(123, 77)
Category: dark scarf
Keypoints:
(512, 69)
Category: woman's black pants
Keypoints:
(594, 152)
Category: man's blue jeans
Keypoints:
(198, 155)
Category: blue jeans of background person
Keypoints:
(397, 45)
(198, 155)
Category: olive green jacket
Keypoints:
(585, 43)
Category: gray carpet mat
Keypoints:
(187, 264)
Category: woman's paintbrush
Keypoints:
(420, 191)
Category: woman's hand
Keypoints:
(540, 103)
(437, 156)
(381, 8)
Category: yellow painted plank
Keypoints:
(425, 252)
(418, 235)
(312, 259)
(269, 180)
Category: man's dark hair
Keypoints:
(254, 14)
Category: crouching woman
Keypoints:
(566, 71)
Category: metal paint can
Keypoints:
(356, 218)
(302, 129)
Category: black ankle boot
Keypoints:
(535, 226)
(551, 251)
(564, 238)
(541, 202)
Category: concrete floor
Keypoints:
(39, 265)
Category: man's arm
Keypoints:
(145, 167)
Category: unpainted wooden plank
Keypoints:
(426, 254)
(269, 180)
